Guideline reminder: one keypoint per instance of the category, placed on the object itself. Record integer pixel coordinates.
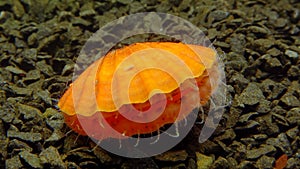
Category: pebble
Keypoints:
(259, 30)
(246, 117)
(55, 137)
(279, 119)
(240, 82)
(203, 161)
(265, 162)
(13, 163)
(293, 116)
(25, 136)
(263, 150)
(260, 137)
(284, 144)
(293, 133)
(144, 163)
(263, 45)
(31, 160)
(30, 113)
(15, 70)
(17, 146)
(102, 155)
(294, 72)
(291, 54)
(45, 68)
(172, 156)
(290, 100)
(218, 15)
(54, 119)
(252, 95)
(272, 89)
(246, 165)
(237, 43)
(20, 91)
(50, 157)
(274, 52)
(221, 162)
(272, 63)
(293, 163)
(44, 95)
(32, 76)
(191, 164)
(228, 135)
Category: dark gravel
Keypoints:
(41, 39)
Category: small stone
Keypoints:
(239, 81)
(212, 33)
(228, 135)
(294, 71)
(284, 144)
(72, 165)
(203, 161)
(44, 95)
(68, 68)
(249, 125)
(293, 163)
(265, 162)
(236, 61)
(21, 91)
(30, 159)
(17, 145)
(7, 114)
(237, 42)
(18, 8)
(260, 137)
(246, 117)
(50, 157)
(290, 100)
(172, 156)
(263, 150)
(192, 164)
(264, 106)
(56, 136)
(45, 68)
(246, 165)
(272, 90)
(249, 141)
(54, 118)
(274, 52)
(141, 163)
(30, 113)
(281, 142)
(89, 164)
(271, 63)
(257, 29)
(13, 163)
(15, 70)
(32, 76)
(218, 15)
(251, 95)
(221, 162)
(25, 136)
(266, 125)
(281, 22)
(102, 155)
(280, 119)
(291, 54)
(293, 133)
(263, 44)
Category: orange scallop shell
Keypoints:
(109, 77)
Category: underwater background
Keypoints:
(260, 40)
